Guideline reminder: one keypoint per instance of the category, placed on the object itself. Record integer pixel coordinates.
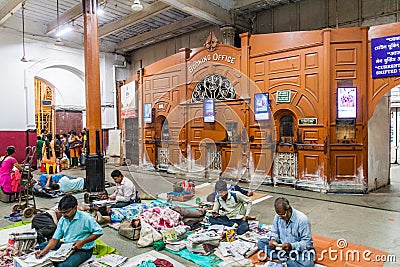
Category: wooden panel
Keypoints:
(175, 81)
(147, 98)
(287, 80)
(311, 165)
(346, 166)
(346, 56)
(151, 155)
(161, 83)
(259, 68)
(346, 74)
(284, 64)
(148, 134)
(312, 84)
(306, 107)
(198, 134)
(311, 61)
(161, 95)
(261, 85)
(147, 85)
(310, 135)
(262, 161)
(175, 96)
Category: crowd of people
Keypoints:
(70, 147)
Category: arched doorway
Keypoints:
(44, 106)
(161, 142)
(285, 162)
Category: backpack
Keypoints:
(44, 225)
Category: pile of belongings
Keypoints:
(182, 191)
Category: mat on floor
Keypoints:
(204, 261)
(151, 255)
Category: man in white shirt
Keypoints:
(125, 193)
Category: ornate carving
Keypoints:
(285, 165)
(211, 42)
(215, 160)
(163, 158)
(213, 86)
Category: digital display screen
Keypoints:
(346, 102)
(261, 106)
(147, 113)
(209, 110)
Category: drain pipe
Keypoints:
(115, 66)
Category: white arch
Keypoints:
(29, 78)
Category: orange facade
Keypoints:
(302, 143)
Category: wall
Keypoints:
(378, 145)
(61, 66)
(313, 14)
(153, 53)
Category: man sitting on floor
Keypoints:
(291, 239)
(234, 205)
(75, 227)
(125, 193)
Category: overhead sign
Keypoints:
(283, 96)
(128, 100)
(307, 121)
(385, 56)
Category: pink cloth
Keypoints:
(161, 218)
(15, 180)
(5, 174)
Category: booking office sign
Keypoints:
(230, 140)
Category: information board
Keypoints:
(385, 56)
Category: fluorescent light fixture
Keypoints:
(100, 11)
(137, 6)
(64, 30)
(59, 42)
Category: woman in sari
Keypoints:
(7, 163)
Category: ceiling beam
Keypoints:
(157, 34)
(9, 8)
(204, 10)
(133, 18)
(67, 16)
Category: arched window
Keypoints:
(165, 130)
(213, 86)
(286, 129)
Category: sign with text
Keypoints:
(385, 56)
(128, 100)
(261, 107)
(346, 102)
(283, 96)
(307, 121)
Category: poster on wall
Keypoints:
(147, 113)
(209, 110)
(261, 106)
(346, 102)
(128, 100)
(385, 56)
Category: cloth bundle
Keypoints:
(161, 218)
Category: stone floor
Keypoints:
(371, 220)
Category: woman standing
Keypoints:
(49, 154)
(75, 146)
(7, 163)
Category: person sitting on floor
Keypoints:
(234, 205)
(75, 227)
(125, 192)
(291, 233)
(232, 187)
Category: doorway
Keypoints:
(285, 162)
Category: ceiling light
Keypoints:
(59, 42)
(137, 6)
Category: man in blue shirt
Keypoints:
(76, 227)
(291, 239)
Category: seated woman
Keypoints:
(7, 163)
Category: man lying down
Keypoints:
(61, 182)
